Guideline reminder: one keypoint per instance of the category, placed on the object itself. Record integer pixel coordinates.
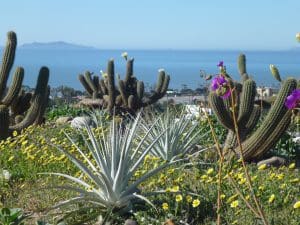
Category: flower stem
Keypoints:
(249, 182)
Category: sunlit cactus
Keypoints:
(20, 109)
(127, 95)
(247, 113)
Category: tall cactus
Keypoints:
(19, 109)
(247, 114)
(128, 95)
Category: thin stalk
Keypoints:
(221, 160)
(242, 196)
(259, 208)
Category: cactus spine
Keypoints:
(254, 144)
(129, 94)
(19, 108)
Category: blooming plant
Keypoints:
(220, 84)
(293, 100)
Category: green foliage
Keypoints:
(11, 216)
(65, 110)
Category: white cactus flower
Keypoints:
(124, 55)
(298, 36)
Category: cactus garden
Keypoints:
(123, 146)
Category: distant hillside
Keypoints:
(58, 45)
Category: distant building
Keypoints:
(266, 91)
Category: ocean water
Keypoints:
(183, 66)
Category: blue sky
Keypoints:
(155, 24)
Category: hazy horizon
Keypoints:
(89, 47)
(186, 25)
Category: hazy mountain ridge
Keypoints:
(57, 45)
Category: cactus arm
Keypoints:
(140, 90)
(4, 122)
(160, 90)
(85, 84)
(230, 141)
(275, 121)
(15, 87)
(103, 87)
(7, 60)
(253, 119)
(40, 118)
(92, 85)
(219, 109)
(111, 85)
(246, 102)
(21, 104)
(38, 97)
(129, 70)
(274, 136)
(161, 78)
(242, 64)
(123, 92)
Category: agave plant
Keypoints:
(180, 137)
(109, 164)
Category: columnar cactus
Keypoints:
(18, 109)
(129, 95)
(254, 144)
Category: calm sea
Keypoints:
(183, 66)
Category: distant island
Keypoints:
(57, 45)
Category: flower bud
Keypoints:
(298, 36)
(275, 72)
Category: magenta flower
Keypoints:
(221, 63)
(220, 85)
(218, 82)
(293, 99)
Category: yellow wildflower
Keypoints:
(175, 189)
(230, 199)
(165, 206)
(254, 178)
(204, 177)
(296, 180)
(282, 186)
(272, 198)
(10, 158)
(242, 181)
(234, 204)
(15, 133)
(196, 203)
(189, 198)
(170, 171)
(240, 175)
(178, 198)
(262, 167)
(292, 166)
(235, 222)
(24, 142)
(297, 205)
(261, 188)
(210, 171)
(222, 196)
(280, 176)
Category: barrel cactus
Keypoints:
(20, 109)
(255, 143)
(129, 95)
